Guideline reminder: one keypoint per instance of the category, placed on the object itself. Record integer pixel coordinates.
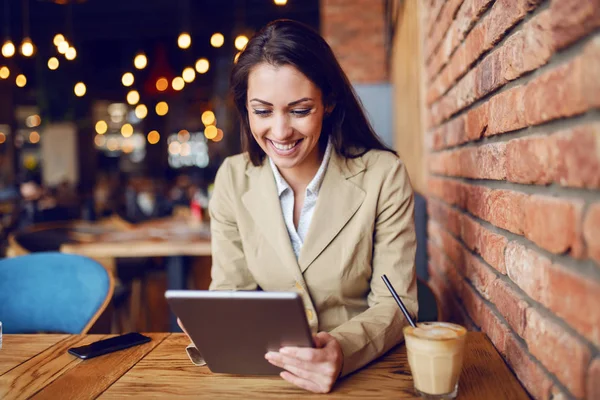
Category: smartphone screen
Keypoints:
(109, 345)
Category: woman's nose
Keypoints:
(281, 128)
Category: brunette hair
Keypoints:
(287, 42)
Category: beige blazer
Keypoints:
(362, 227)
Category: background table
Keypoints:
(39, 366)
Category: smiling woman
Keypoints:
(316, 204)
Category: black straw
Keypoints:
(397, 298)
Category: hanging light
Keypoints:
(140, 61)
(8, 49)
(127, 130)
(162, 108)
(53, 63)
(202, 65)
(58, 39)
(4, 72)
(217, 40)
(133, 97)
(141, 111)
(27, 48)
(162, 84)
(208, 118)
(101, 127)
(80, 89)
(184, 40)
(178, 83)
(21, 80)
(127, 79)
(211, 132)
(63, 47)
(153, 137)
(188, 74)
(219, 136)
(240, 42)
(71, 53)
(280, 2)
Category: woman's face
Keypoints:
(285, 110)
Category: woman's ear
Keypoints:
(329, 109)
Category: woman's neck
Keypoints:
(301, 175)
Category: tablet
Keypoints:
(234, 330)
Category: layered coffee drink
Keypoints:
(435, 355)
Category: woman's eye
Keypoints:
(301, 112)
(262, 112)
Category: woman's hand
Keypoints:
(315, 369)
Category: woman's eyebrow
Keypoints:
(293, 103)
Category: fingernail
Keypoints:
(284, 350)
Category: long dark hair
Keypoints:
(287, 42)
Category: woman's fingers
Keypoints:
(303, 383)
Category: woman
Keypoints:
(316, 204)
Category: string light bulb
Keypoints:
(133, 97)
(8, 49)
(27, 48)
(240, 42)
(217, 40)
(4, 72)
(71, 53)
(53, 63)
(80, 89)
(21, 80)
(202, 65)
(140, 61)
(184, 40)
(58, 39)
(188, 75)
(127, 79)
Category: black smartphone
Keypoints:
(109, 345)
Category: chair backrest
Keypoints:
(52, 292)
(429, 307)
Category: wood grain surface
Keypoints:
(161, 369)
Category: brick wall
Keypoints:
(512, 91)
(355, 31)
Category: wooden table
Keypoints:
(39, 366)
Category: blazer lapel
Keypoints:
(338, 201)
(262, 202)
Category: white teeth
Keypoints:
(284, 146)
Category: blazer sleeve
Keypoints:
(375, 331)
(229, 270)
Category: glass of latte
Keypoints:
(435, 355)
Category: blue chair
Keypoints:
(52, 292)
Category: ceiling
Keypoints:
(108, 33)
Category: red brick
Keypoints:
(577, 161)
(531, 160)
(445, 216)
(477, 122)
(528, 270)
(533, 377)
(505, 209)
(569, 158)
(560, 352)
(467, 16)
(593, 380)
(527, 49)
(507, 111)
(433, 13)
(510, 304)
(573, 19)
(591, 231)
(552, 223)
(556, 287)
(482, 162)
(450, 191)
(488, 74)
(480, 275)
(557, 93)
(497, 331)
(570, 296)
(589, 77)
(471, 301)
(446, 17)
